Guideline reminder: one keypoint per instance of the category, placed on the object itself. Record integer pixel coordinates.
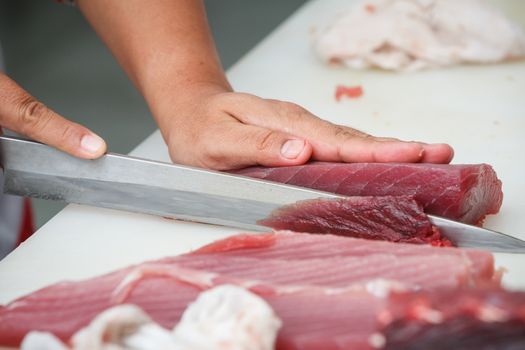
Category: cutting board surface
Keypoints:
(480, 110)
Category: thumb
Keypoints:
(253, 145)
(22, 113)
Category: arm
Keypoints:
(166, 48)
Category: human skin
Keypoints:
(166, 48)
(22, 113)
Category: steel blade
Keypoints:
(468, 236)
(133, 184)
(139, 185)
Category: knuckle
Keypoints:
(340, 131)
(265, 140)
(32, 115)
(293, 110)
(211, 156)
(68, 132)
(345, 132)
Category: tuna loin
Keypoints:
(291, 246)
(388, 218)
(287, 270)
(482, 319)
(313, 318)
(465, 193)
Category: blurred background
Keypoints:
(51, 51)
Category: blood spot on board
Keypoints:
(370, 8)
(348, 92)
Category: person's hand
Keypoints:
(169, 54)
(222, 130)
(22, 113)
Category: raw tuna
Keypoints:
(313, 318)
(388, 218)
(317, 308)
(272, 265)
(310, 315)
(296, 246)
(348, 91)
(414, 272)
(483, 319)
(460, 192)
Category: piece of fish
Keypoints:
(290, 246)
(386, 218)
(416, 34)
(465, 193)
(473, 319)
(312, 317)
(350, 272)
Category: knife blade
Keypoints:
(133, 184)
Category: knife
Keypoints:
(133, 184)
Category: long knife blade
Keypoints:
(138, 185)
(468, 236)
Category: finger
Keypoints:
(337, 143)
(22, 113)
(437, 153)
(238, 145)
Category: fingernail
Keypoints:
(91, 143)
(291, 149)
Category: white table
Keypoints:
(478, 109)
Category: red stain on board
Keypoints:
(348, 91)
(370, 8)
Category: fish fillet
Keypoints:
(296, 246)
(387, 218)
(336, 290)
(312, 317)
(465, 193)
(417, 34)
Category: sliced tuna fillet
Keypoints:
(388, 218)
(296, 246)
(460, 192)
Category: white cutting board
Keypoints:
(480, 110)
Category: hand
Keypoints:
(222, 130)
(20, 112)
(169, 54)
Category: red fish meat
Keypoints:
(387, 218)
(297, 246)
(313, 317)
(164, 288)
(465, 193)
(474, 319)
(415, 272)
(164, 291)
(348, 91)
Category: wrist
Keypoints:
(173, 106)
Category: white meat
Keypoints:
(223, 318)
(416, 34)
